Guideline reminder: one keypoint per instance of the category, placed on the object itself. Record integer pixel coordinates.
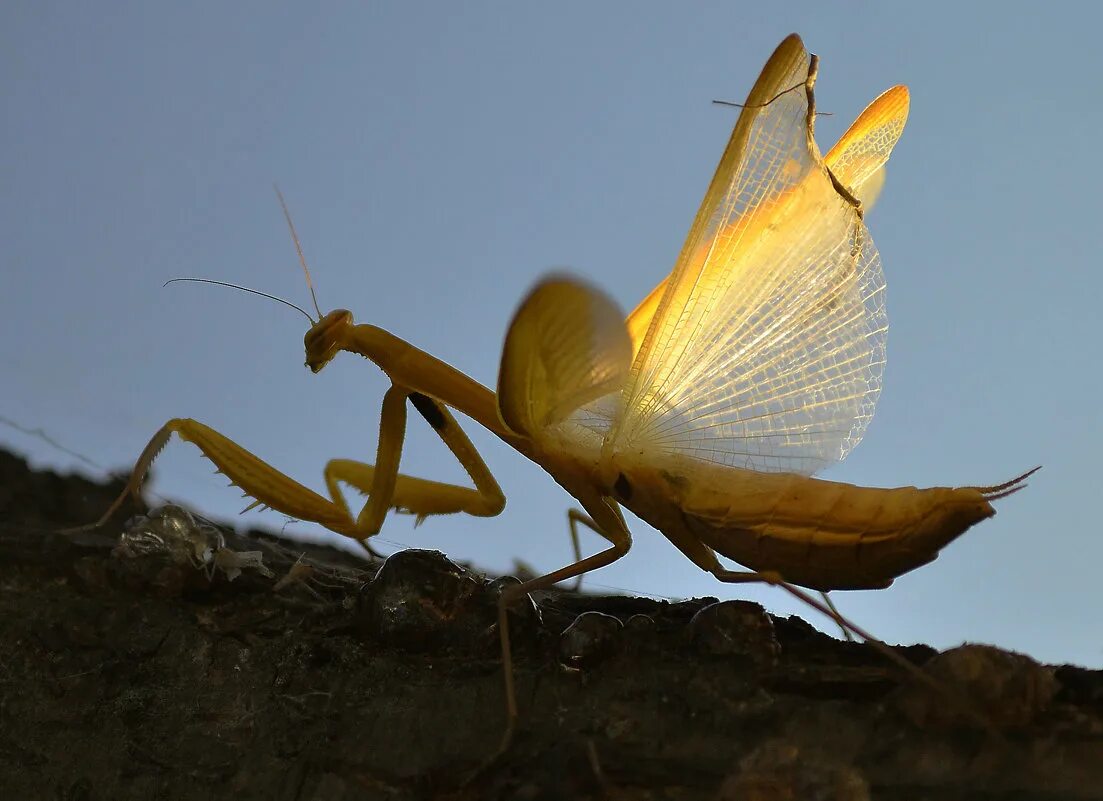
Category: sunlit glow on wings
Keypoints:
(857, 160)
(766, 347)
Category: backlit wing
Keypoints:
(566, 347)
(857, 160)
(766, 348)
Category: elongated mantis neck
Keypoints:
(413, 368)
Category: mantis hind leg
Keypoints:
(835, 614)
(827, 608)
(822, 605)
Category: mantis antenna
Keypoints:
(299, 250)
(299, 309)
(302, 263)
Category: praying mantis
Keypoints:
(756, 362)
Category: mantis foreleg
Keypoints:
(386, 487)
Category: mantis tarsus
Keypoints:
(757, 361)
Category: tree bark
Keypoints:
(140, 669)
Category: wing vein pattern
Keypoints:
(766, 348)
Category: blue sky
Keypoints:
(439, 158)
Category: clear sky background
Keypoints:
(438, 158)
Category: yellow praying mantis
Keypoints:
(757, 361)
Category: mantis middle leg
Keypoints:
(607, 520)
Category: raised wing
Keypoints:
(566, 347)
(640, 319)
(857, 160)
(766, 348)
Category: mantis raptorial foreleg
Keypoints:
(386, 487)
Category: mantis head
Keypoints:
(328, 334)
(326, 337)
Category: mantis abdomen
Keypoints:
(824, 535)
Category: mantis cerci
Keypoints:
(757, 361)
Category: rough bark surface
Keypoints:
(135, 671)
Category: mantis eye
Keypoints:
(325, 338)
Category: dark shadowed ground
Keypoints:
(140, 670)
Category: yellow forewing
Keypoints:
(567, 346)
(640, 318)
(766, 347)
(857, 161)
